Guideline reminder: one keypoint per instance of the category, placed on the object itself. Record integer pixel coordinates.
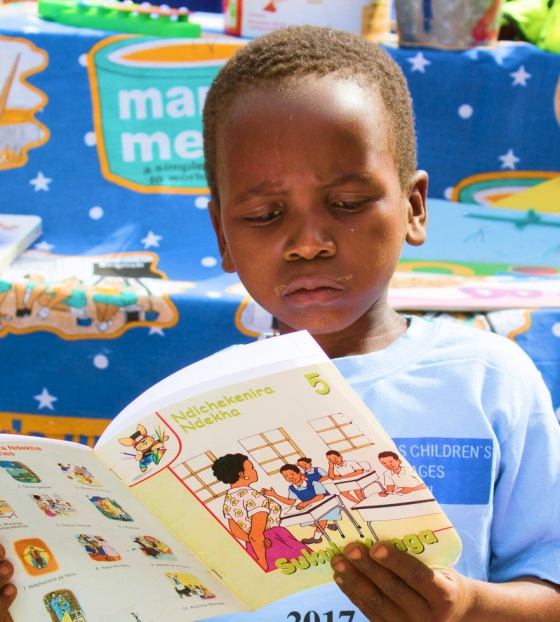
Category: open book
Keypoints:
(17, 233)
(192, 504)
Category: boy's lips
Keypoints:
(312, 290)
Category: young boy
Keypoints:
(310, 159)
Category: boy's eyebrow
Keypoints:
(269, 187)
(347, 178)
(264, 188)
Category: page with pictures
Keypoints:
(86, 550)
(221, 465)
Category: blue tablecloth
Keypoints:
(131, 243)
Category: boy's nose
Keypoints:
(308, 242)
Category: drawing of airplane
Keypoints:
(530, 218)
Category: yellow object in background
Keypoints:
(543, 198)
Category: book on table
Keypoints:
(191, 502)
(17, 233)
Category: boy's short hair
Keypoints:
(296, 51)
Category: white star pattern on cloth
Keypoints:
(40, 182)
(151, 240)
(520, 76)
(44, 246)
(498, 53)
(509, 160)
(45, 399)
(419, 63)
(156, 330)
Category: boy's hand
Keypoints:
(388, 585)
(7, 590)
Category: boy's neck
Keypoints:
(367, 335)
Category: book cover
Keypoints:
(17, 233)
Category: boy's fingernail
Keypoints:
(339, 566)
(354, 553)
(379, 553)
(9, 590)
(5, 570)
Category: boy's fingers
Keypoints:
(6, 572)
(388, 579)
(379, 593)
(364, 594)
(427, 583)
(7, 590)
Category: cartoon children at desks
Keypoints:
(252, 517)
(302, 493)
(313, 474)
(398, 479)
(340, 469)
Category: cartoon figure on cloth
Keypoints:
(5, 287)
(111, 297)
(149, 449)
(253, 517)
(66, 296)
(302, 493)
(28, 292)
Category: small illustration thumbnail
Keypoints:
(98, 548)
(152, 547)
(20, 472)
(37, 558)
(6, 510)
(188, 586)
(110, 508)
(63, 606)
(80, 473)
(53, 505)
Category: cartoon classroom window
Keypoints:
(272, 449)
(339, 432)
(196, 474)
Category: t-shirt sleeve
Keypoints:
(526, 523)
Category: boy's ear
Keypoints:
(227, 264)
(417, 208)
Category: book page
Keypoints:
(85, 549)
(263, 529)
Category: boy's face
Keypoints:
(293, 477)
(312, 215)
(390, 463)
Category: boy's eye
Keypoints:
(348, 205)
(264, 218)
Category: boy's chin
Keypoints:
(315, 326)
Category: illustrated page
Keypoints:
(86, 550)
(267, 478)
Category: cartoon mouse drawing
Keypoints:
(148, 448)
